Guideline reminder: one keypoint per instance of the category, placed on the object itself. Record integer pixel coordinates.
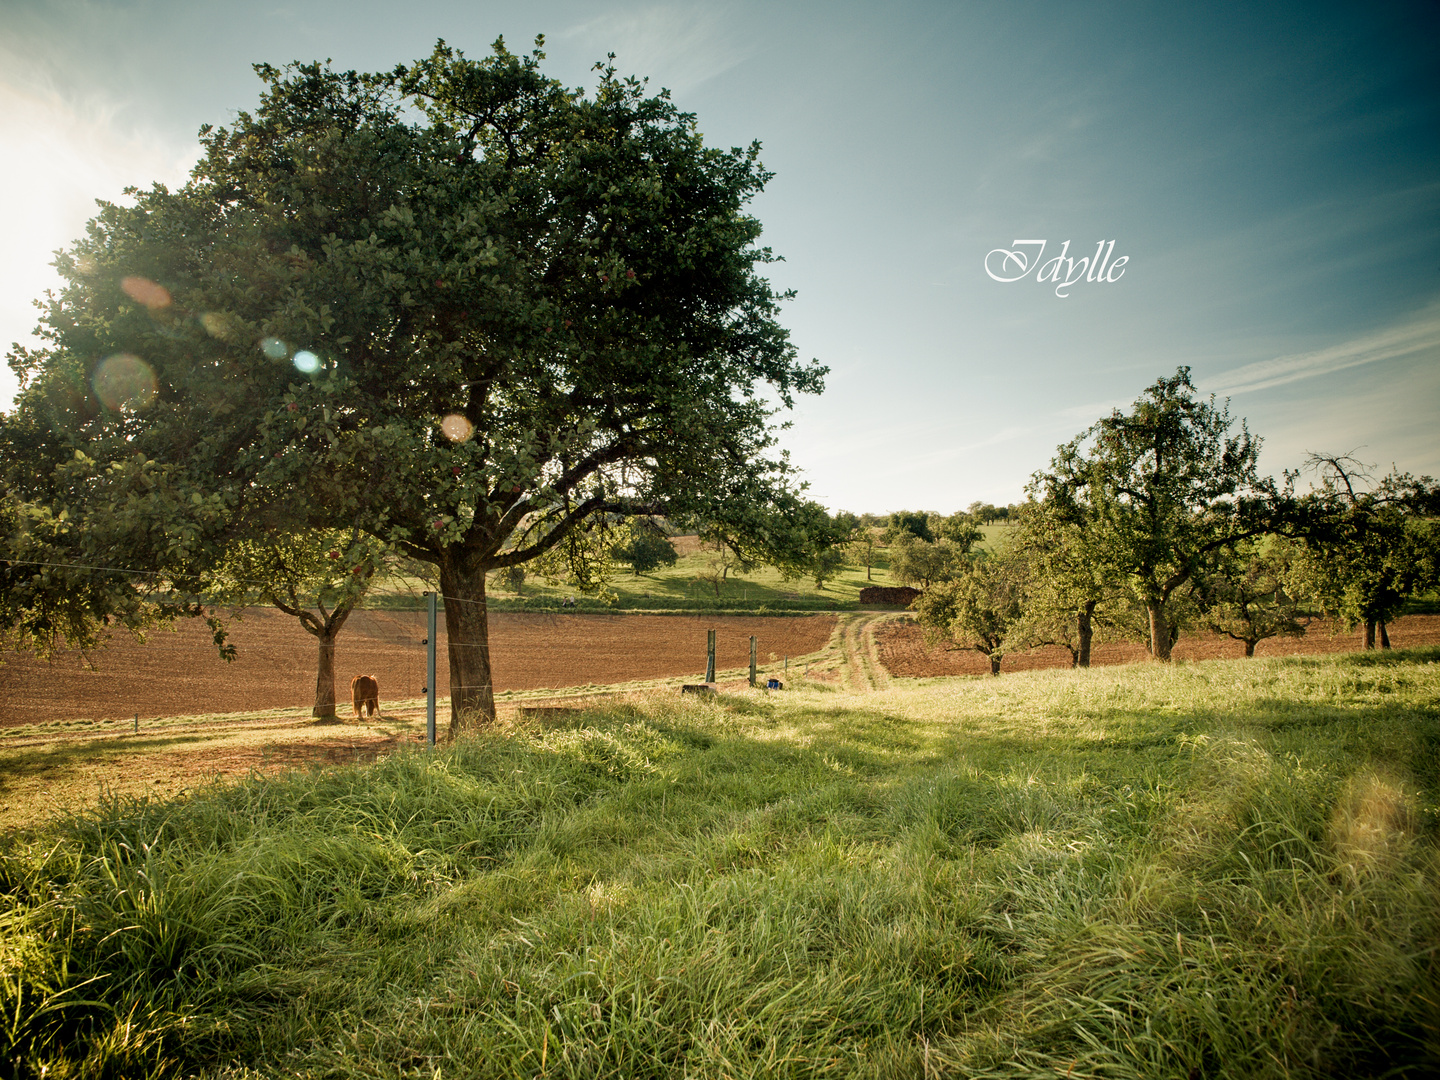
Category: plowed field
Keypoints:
(179, 674)
(903, 650)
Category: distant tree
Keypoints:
(911, 523)
(318, 576)
(1163, 489)
(512, 578)
(1243, 594)
(722, 559)
(646, 551)
(1366, 553)
(922, 564)
(959, 528)
(975, 610)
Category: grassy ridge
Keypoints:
(762, 591)
(1216, 870)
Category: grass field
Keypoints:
(1225, 869)
(762, 590)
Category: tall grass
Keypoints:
(1215, 870)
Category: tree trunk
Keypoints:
(1384, 637)
(1087, 634)
(1369, 633)
(995, 659)
(325, 675)
(1249, 647)
(467, 632)
(1160, 639)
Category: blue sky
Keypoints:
(1271, 172)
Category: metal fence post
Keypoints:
(430, 668)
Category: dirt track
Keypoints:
(179, 673)
(903, 650)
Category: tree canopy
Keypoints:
(456, 305)
(1162, 490)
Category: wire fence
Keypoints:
(178, 672)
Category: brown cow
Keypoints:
(365, 691)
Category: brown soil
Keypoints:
(903, 650)
(179, 674)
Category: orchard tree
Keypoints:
(1244, 595)
(317, 576)
(457, 305)
(1163, 490)
(646, 550)
(904, 524)
(512, 578)
(1070, 587)
(1366, 553)
(975, 610)
(922, 564)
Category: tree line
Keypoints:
(1156, 520)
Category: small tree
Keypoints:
(723, 558)
(318, 576)
(976, 610)
(923, 564)
(904, 524)
(646, 551)
(959, 528)
(1243, 595)
(1366, 553)
(827, 563)
(512, 578)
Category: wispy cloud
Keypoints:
(678, 46)
(1417, 334)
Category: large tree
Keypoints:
(1162, 490)
(456, 305)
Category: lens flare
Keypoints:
(456, 428)
(124, 382)
(144, 291)
(218, 325)
(307, 361)
(274, 348)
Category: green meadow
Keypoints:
(1225, 869)
(761, 590)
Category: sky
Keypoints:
(1265, 180)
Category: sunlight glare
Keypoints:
(124, 382)
(144, 291)
(456, 428)
(307, 361)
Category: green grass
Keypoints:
(1212, 870)
(762, 591)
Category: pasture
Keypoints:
(1222, 869)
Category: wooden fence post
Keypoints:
(710, 656)
(752, 659)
